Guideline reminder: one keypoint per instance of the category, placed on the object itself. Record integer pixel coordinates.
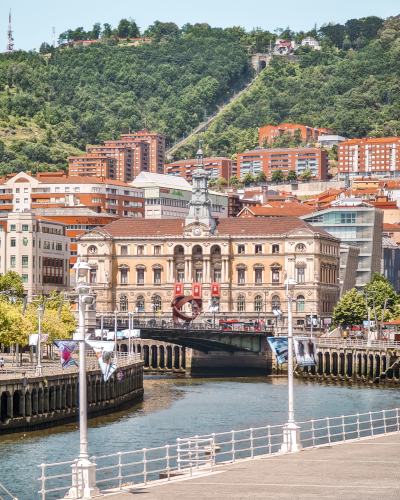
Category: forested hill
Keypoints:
(83, 95)
(351, 86)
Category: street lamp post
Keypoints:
(102, 324)
(311, 320)
(265, 291)
(84, 466)
(291, 433)
(39, 370)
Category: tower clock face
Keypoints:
(196, 230)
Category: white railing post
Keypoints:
(384, 420)
(233, 445)
(190, 458)
(397, 419)
(269, 439)
(312, 433)
(197, 451)
(329, 429)
(179, 455)
(43, 479)
(251, 443)
(120, 470)
(358, 426)
(371, 423)
(343, 429)
(144, 466)
(167, 458)
(213, 448)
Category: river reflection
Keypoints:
(179, 407)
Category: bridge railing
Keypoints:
(203, 453)
(340, 343)
(8, 493)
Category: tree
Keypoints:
(107, 31)
(12, 281)
(307, 175)
(379, 289)
(277, 176)
(45, 48)
(248, 179)
(234, 180)
(212, 182)
(128, 29)
(261, 177)
(351, 309)
(222, 181)
(291, 175)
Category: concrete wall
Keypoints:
(308, 188)
(41, 402)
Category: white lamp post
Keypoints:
(39, 370)
(291, 432)
(101, 324)
(84, 467)
(311, 320)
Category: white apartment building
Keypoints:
(37, 249)
(167, 196)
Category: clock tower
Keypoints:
(200, 204)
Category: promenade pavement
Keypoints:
(367, 469)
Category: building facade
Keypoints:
(270, 132)
(216, 167)
(371, 156)
(137, 262)
(37, 249)
(285, 159)
(390, 261)
(167, 197)
(357, 224)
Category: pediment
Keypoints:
(301, 231)
(200, 228)
(93, 235)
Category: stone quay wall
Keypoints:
(37, 403)
(354, 364)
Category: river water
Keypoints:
(177, 407)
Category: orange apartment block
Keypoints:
(122, 160)
(217, 166)
(285, 159)
(270, 132)
(378, 157)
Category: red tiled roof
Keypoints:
(230, 226)
(393, 227)
(288, 210)
(77, 179)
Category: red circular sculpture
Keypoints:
(179, 301)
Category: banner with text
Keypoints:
(305, 349)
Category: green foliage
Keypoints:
(222, 182)
(277, 176)
(248, 179)
(261, 177)
(379, 289)
(291, 176)
(12, 281)
(234, 180)
(351, 309)
(212, 182)
(307, 175)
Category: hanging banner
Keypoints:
(104, 352)
(66, 349)
(196, 290)
(305, 349)
(178, 289)
(215, 289)
(97, 332)
(33, 338)
(110, 335)
(76, 336)
(131, 333)
(279, 346)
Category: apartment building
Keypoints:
(270, 132)
(122, 160)
(37, 249)
(216, 166)
(285, 159)
(371, 156)
(168, 197)
(24, 192)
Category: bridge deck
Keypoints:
(366, 469)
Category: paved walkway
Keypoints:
(367, 470)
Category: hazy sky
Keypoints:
(32, 21)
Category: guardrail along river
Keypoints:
(177, 407)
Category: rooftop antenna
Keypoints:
(54, 37)
(10, 44)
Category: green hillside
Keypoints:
(352, 86)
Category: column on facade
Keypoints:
(323, 363)
(225, 270)
(170, 264)
(339, 364)
(188, 269)
(206, 269)
(369, 360)
(346, 363)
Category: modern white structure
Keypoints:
(311, 42)
(327, 141)
(167, 196)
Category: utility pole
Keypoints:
(10, 44)
(54, 38)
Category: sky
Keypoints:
(32, 22)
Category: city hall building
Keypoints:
(136, 263)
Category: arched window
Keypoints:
(301, 303)
(276, 302)
(216, 249)
(156, 300)
(258, 303)
(179, 249)
(123, 303)
(139, 303)
(241, 303)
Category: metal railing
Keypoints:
(201, 454)
(8, 493)
(340, 343)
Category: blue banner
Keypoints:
(279, 346)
